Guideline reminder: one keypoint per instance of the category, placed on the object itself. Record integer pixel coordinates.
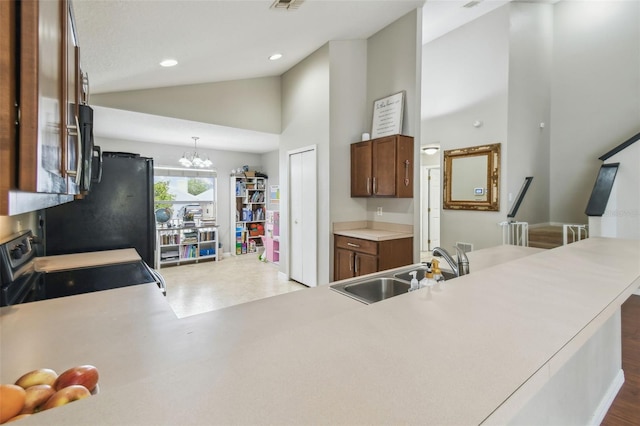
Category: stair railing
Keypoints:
(578, 232)
(515, 233)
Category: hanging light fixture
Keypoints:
(193, 159)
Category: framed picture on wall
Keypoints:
(274, 194)
(387, 116)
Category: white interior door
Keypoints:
(434, 208)
(303, 218)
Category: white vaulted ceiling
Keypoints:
(123, 42)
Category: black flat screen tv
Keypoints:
(602, 189)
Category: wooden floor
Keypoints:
(625, 409)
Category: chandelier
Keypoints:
(193, 159)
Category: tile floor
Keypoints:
(195, 288)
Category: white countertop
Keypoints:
(315, 356)
(373, 234)
(81, 260)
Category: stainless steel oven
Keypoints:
(22, 283)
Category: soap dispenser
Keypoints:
(437, 273)
(414, 282)
(424, 282)
(429, 278)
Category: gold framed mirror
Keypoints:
(472, 178)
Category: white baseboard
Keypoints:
(544, 224)
(283, 275)
(607, 399)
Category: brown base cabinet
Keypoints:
(354, 257)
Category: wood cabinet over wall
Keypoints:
(41, 87)
(382, 167)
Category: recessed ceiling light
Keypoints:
(169, 63)
(275, 56)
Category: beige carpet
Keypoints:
(195, 288)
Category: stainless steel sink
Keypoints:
(373, 290)
(421, 271)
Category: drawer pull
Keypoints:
(353, 245)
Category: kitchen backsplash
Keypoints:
(12, 224)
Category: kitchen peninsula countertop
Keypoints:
(315, 356)
(81, 260)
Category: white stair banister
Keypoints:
(578, 232)
(515, 233)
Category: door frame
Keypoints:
(424, 201)
(313, 148)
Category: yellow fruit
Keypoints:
(41, 376)
(11, 401)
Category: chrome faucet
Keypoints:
(459, 268)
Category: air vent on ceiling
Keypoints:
(286, 4)
(472, 3)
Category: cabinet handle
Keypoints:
(375, 190)
(97, 150)
(352, 245)
(406, 172)
(85, 88)
(351, 261)
(368, 186)
(75, 131)
(355, 263)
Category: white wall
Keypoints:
(271, 166)
(595, 100)
(574, 66)
(349, 119)
(621, 218)
(465, 78)
(305, 122)
(252, 104)
(223, 162)
(393, 64)
(528, 147)
(327, 101)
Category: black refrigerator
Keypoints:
(117, 213)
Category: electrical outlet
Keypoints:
(379, 212)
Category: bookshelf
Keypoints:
(248, 212)
(182, 244)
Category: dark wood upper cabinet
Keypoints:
(49, 96)
(382, 167)
(8, 108)
(41, 91)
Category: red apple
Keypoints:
(41, 376)
(66, 395)
(85, 375)
(35, 397)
